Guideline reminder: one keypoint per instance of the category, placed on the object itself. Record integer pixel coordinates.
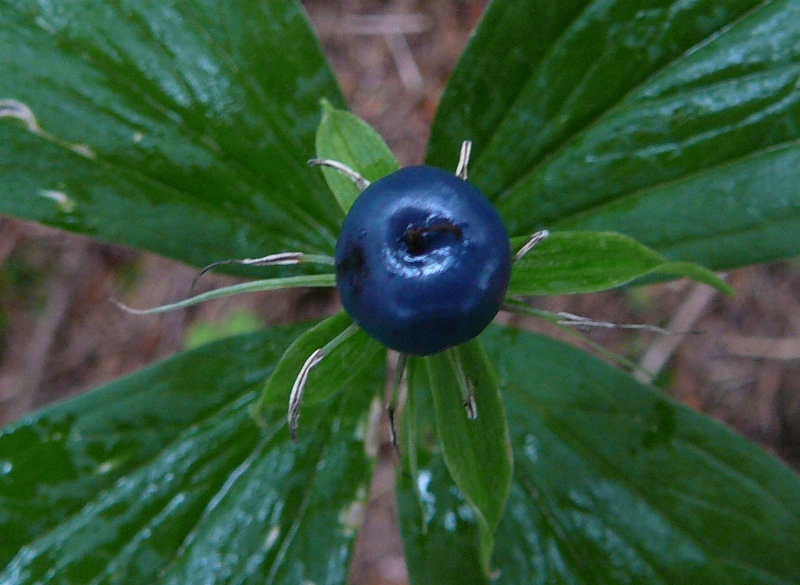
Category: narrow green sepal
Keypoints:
(477, 452)
(330, 376)
(313, 280)
(347, 139)
(585, 262)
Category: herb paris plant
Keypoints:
(423, 261)
(154, 122)
(423, 264)
(421, 239)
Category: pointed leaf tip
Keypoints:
(583, 262)
(349, 140)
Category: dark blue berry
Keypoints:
(423, 261)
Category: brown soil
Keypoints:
(59, 334)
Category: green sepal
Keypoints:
(349, 140)
(332, 375)
(478, 451)
(584, 262)
(162, 477)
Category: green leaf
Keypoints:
(439, 526)
(476, 451)
(164, 477)
(583, 262)
(333, 374)
(237, 322)
(613, 482)
(677, 123)
(181, 127)
(349, 140)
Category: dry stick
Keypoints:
(407, 67)
(379, 546)
(780, 348)
(687, 314)
(394, 28)
(386, 24)
(771, 348)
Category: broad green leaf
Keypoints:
(333, 374)
(349, 140)
(439, 526)
(476, 451)
(583, 262)
(164, 477)
(178, 126)
(613, 482)
(677, 123)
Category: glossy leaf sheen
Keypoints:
(181, 127)
(164, 477)
(677, 123)
(584, 262)
(349, 140)
(439, 526)
(612, 482)
(477, 452)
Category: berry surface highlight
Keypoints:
(423, 261)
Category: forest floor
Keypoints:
(60, 335)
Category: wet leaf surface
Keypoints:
(477, 451)
(164, 476)
(612, 482)
(178, 127)
(676, 123)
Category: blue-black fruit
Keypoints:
(423, 261)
